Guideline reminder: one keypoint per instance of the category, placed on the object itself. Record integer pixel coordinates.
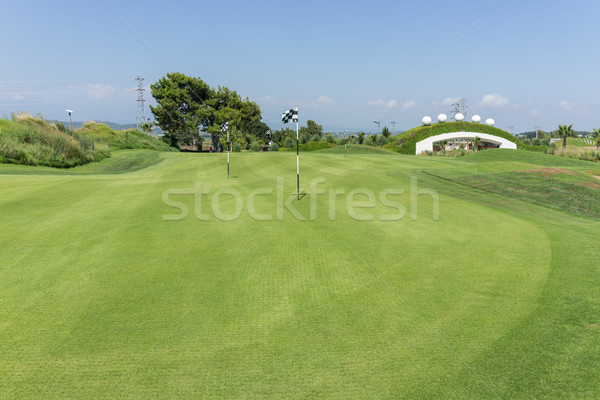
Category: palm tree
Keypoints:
(443, 145)
(476, 143)
(596, 135)
(564, 132)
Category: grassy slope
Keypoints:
(117, 140)
(101, 298)
(356, 149)
(120, 162)
(32, 141)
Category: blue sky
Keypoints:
(344, 64)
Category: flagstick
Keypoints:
(297, 162)
(228, 147)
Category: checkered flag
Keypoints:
(290, 115)
(225, 127)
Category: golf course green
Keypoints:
(150, 274)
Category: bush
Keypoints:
(274, 147)
(382, 140)
(254, 146)
(237, 148)
(61, 127)
(289, 142)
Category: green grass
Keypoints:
(32, 141)
(357, 149)
(579, 142)
(120, 162)
(118, 140)
(102, 298)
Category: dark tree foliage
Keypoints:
(186, 105)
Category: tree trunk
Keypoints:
(215, 142)
(564, 143)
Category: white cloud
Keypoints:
(267, 99)
(18, 97)
(567, 105)
(493, 100)
(448, 101)
(98, 91)
(409, 104)
(535, 113)
(389, 104)
(324, 100)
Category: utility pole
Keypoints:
(140, 117)
(393, 128)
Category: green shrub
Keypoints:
(254, 146)
(274, 147)
(237, 147)
(289, 142)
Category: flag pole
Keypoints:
(228, 147)
(297, 162)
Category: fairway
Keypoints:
(121, 280)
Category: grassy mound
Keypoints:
(118, 140)
(32, 141)
(315, 146)
(406, 142)
(356, 149)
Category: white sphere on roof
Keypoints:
(442, 118)
(426, 120)
(490, 122)
(476, 118)
(459, 117)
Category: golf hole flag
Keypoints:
(290, 115)
(225, 128)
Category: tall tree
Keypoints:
(476, 143)
(564, 132)
(596, 135)
(180, 100)
(186, 104)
